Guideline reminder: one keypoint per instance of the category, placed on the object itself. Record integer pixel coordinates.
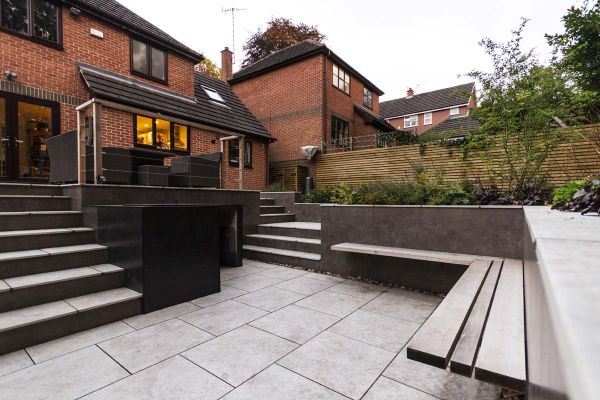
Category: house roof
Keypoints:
(435, 100)
(371, 118)
(114, 13)
(456, 126)
(292, 54)
(233, 117)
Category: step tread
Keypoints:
(281, 252)
(24, 254)
(285, 238)
(32, 232)
(277, 215)
(44, 312)
(101, 299)
(313, 226)
(47, 278)
(23, 213)
(31, 196)
(4, 287)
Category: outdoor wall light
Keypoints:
(213, 141)
(10, 75)
(75, 12)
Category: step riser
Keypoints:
(20, 243)
(267, 202)
(38, 265)
(301, 233)
(26, 222)
(272, 210)
(279, 259)
(22, 190)
(283, 244)
(30, 335)
(14, 204)
(274, 219)
(36, 295)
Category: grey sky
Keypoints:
(396, 44)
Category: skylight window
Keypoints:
(213, 95)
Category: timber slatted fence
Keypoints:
(577, 156)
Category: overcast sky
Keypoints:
(424, 44)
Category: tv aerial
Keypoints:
(233, 11)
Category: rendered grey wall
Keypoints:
(307, 212)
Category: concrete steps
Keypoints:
(27, 189)
(21, 220)
(36, 238)
(307, 230)
(272, 210)
(12, 203)
(281, 256)
(267, 202)
(276, 218)
(285, 242)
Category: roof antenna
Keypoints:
(233, 10)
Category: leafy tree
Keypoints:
(280, 33)
(207, 67)
(522, 104)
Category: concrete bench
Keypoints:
(478, 330)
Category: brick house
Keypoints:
(57, 55)
(307, 95)
(422, 112)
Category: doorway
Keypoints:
(25, 124)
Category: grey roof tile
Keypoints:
(456, 126)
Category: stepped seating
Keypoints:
(54, 280)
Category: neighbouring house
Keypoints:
(422, 112)
(57, 56)
(306, 95)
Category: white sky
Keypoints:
(423, 44)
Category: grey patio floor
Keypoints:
(271, 333)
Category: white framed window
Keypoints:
(428, 118)
(411, 121)
(455, 111)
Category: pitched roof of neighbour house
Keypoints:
(371, 118)
(456, 126)
(229, 115)
(429, 101)
(114, 13)
(292, 54)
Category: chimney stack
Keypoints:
(410, 92)
(226, 64)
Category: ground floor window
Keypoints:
(234, 152)
(340, 131)
(161, 134)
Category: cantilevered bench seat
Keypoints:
(478, 330)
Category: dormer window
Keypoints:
(148, 61)
(214, 96)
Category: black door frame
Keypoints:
(11, 115)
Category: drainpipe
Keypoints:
(324, 105)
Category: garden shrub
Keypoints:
(563, 194)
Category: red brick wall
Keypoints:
(52, 69)
(437, 118)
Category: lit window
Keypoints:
(234, 152)
(213, 95)
(411, 121)
(339, 132)
(341, 79)
(17, 15)
(428, 118)
(161, 134)
(454, 111)
(368, 98)
(148, 61)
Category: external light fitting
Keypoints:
(10, 75)
(75, 12)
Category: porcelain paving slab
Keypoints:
(313, 226)
(324, 277)
(345, 365)
(33, 232)
(363, 290)
(304, 285)
(141, 349)
(241, 271)
(53, 251)
(270, 298)
(264, 265)
(377, 330)
(22, 282)
(144, 320)
(404, 304)
(100, 299)
(332, 303)
(15, 361)
(438, 382)
(387, 389)
(282, 252)
(284, 273)
(31, 315)
(4, 287)
(276, 383)
(19, 255)
(173, 379)
(250, 283)
(68, 344)
(107, 268)
(67, 377)
(223, 317)
(226, 293)
(240, 354)
(225, 277)
(294, 323)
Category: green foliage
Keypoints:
(209, 68)
(562, 195)
(276, 187)
(280, 33)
